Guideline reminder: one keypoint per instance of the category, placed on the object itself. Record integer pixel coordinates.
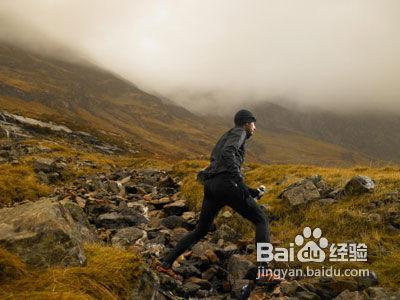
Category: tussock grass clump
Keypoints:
(110, 273)
(11, 266)
(19, 183)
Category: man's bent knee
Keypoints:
(200, 232)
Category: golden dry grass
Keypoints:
(18, 183)
(11, 266)
(110, 273)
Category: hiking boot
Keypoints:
(245, 292)
(269, 280)
(162, 268)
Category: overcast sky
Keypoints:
(207, 53)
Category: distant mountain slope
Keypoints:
(89, 97)
(85, 97)
(375, 134)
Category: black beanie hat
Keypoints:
(243, 116)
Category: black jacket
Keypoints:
(228, 154)
(227, 157)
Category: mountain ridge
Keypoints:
(91, 99)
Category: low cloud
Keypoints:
(209, 55)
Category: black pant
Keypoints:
(218, 192)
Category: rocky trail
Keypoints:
(143, 211)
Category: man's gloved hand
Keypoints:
(258, 192)
(240, 183)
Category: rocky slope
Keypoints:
(144, 211)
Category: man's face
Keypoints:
(250, 128)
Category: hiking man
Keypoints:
(224, 185)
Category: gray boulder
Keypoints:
(120, 220)
(237, 268)
(190, 288)
(187, 269)
(87, 231)
(346, 295)
(172, 222)
(378, 293)
(175, 208)
(226, 233)
(43, 234)
(49, 170)
(300, 192)
(48, 165)
(337, 194)
(127, 236)
(289, 288)
(359, 185)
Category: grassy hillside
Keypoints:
(373, 133)
(87, 98)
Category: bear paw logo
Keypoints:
(311, 251)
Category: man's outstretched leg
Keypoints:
(249, 209)
(209, 210)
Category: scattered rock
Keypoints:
(188, 215)
(176, 208)
(119, 220)
(375, 217)
(127, 236)
(226, 233)
(337, 194)
(237, 286)
(307, 295)
(367, 281)
(190, 288)
(45, 165)
(300, 192)
(290, 287)
(327, 201)
(203, 283)
(347, 295)
(377, 293)
(172, 222)
(87, 230)
(157, 202)
(359, 185)
(333, 286)
(178, 233)
(201, 247)
(186, 269)
(237, 267)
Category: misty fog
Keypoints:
(206, 54)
